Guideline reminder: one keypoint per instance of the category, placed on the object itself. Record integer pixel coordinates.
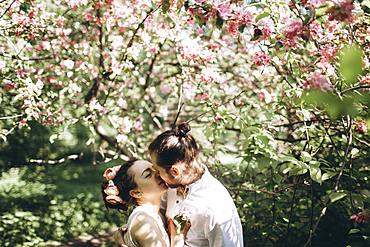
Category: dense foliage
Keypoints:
(277, 93)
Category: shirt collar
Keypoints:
(197, 184)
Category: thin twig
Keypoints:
(178, 113)
(7, 9)
(291, 212)
(16, 116)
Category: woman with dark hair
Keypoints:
(136, 183)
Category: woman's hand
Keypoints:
(118, 237)
(177, 239)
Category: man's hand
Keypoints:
(118, 237)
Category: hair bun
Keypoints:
(183, 129)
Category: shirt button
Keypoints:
(177, 201)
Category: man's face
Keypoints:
(166, 176)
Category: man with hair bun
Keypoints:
(214, 218)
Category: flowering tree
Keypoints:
(281, 85)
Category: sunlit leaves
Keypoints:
(351, 64)
(330, 102)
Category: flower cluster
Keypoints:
(361, 126)
(181, 218)
(360, 217)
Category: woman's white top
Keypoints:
(139, 210)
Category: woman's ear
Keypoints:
(135, 194)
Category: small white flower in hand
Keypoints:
(181, 218)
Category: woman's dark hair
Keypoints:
(124, 182)
(174, 146)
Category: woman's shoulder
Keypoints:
(145, 230)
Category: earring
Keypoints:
(140, 193)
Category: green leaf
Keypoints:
(351, 64)
(291, 80)
(322, 9)
(315, 172)
(331, 103)
(365, 192)
(306, 157)
(336, 196)
(288, 158)
(166, 6)
(219, 22)
(260, 16)
(200, 20)
(278, 45)
(241, 28)
(353, 231)
(257, 33)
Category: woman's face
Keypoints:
(147, 179)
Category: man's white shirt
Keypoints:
(215, 221)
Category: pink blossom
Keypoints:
(127, 125)
(61, 21)
(189, 54)
(2, 65)
(74, 4)
(165, 89)
(244, 18)
(188, 84)
(122, 103)
(209, 76)
(218, 117)
(325, 66)
(329, 51)
(163, 110)
(69, 64)
(23, 122)
(204, 96)
(319, 81)
(117, 68)
(117, 42)
(138, 124)
(266, 25)
(189, 69)
(60, 120)
(9, 85)
(222, 8)
(360, 217)
(208, 56)
(21, 72)
(41, 104)
(233, 28)
(96, 31)
(316, 3)
(361, 126)
(341, 11)
(121, 138)
(291, 31)
(260, 58)
(365, 79)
